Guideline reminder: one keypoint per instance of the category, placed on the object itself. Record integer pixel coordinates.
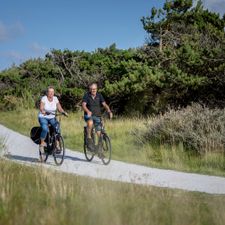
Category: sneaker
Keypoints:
(42, 152)
(58, 149)
(101, 155)
(90, 145)
(100, 151)
(41, 149)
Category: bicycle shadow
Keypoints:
(36, 160)
(28, 159)
(74, 158)
(32, 159)
(21, 158)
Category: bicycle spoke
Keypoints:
(88, 154)
(59, 151)
(106, 150)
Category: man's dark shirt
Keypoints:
(94, 105)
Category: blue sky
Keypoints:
(29, 29)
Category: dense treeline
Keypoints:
(182, 62)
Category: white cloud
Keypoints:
(12, 31)
(12, 55)
(37, 48)
(9, 58)
(215, 6)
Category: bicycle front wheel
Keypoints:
(106, 150)
(59, 150)
(43, 156)
(88, 154)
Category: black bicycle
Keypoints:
(102, 148)
(54, 142)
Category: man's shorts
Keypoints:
(96, 121)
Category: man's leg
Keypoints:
(89, 127)
(97, 124)
(90, 143)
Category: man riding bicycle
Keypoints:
(92, 103)
(48, 106)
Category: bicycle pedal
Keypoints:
(93, 151)
(58, 151)
(101, 155)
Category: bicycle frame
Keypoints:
(50, 139)
(51, 135)
(93, 131)
(103, 145)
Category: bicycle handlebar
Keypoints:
(106, 115)
(57, 114)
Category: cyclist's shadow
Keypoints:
(74, 158)
(36, 159)
(21, 158)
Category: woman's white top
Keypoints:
(49, 106)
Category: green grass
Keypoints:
(126, 146)
(41, 196)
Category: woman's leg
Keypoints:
(44, 125)
(55, 125)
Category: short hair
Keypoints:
(50, 87)
(94, 83)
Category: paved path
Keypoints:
(23, 150)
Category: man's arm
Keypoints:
(84, 106)
(107, 109)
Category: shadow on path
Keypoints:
(32, 159)
(74, 158)
(21, 158)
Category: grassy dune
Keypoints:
(126, 146)
(39, 196)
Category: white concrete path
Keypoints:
(23, 150)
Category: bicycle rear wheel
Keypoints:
(59, 150)
(106, 150)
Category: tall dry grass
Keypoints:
(37, 196)
(197, 127)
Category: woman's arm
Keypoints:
(59, 107)
(42, 105)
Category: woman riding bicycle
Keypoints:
(48, 106)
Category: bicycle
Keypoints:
(103, 148)
(54, 142)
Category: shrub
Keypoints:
(10, 102)
(199, 128)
